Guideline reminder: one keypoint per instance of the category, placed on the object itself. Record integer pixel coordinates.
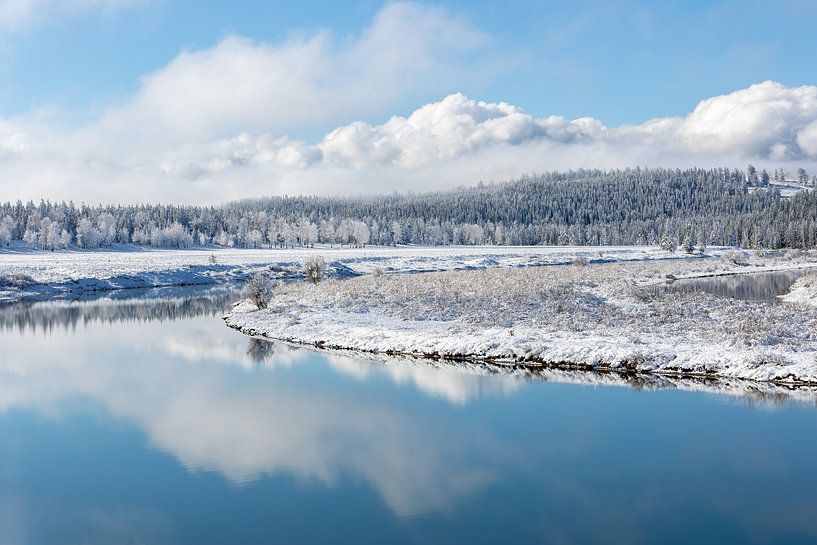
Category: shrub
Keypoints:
(213, 259)
(579, 261)
(15, 280)
(314, 269)
(260, 290)
(732, 258)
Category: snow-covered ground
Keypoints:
(787, 189)
(598, 317)
(26, 273)
(803, 291)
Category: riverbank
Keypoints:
(575, 317)
(25, 273)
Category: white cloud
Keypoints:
(459, 140)
(757, 121)
(238, 119)
(807, 139)
(306, 83)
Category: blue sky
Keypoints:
(619, 62)
(206, 100)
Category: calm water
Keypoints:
(746, 287)
(148, 421)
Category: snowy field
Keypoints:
(603, 317)
(26, 273)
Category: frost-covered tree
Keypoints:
(396, 232)
(667, 243)
(7, 226)
(327, 231)
(106, 225)
(255, 238)
(307, 232)
(359, 233)
(172, 236)
(31, 236)
(87, 235)
(687, 244)
(751, 176)
(630, 206)
(65, 239)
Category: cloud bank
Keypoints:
(244, 118)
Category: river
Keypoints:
(142, 418)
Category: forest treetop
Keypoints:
(581, 207)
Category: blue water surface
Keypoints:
(146, 420)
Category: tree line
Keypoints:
(581, 207)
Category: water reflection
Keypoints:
(476, 449)
(157, 304)
(180, 386)
(746, 287)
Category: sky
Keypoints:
(204, 102)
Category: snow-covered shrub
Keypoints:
(794, 254)
(644, 294)
(315, 269)
(260, 290)
(579, 261)
(732, 258)
(377, 272)
(212, 259)
(15, 280)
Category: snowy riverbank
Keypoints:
(804, 291)
(44, 275)
(598, 317)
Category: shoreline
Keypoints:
(765, 392)
(584, 318)
(620, 368)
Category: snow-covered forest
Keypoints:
(586, 207)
